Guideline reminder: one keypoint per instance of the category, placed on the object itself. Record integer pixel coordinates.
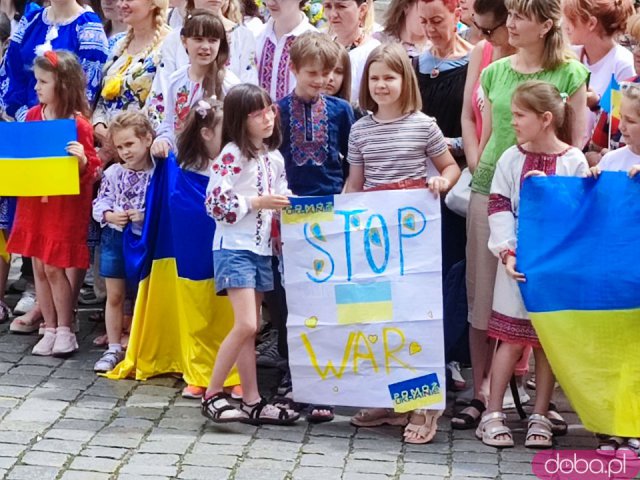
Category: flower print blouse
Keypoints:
(82, 35)
(234, 180)
(127, 83)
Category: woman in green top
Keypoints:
(534, 29)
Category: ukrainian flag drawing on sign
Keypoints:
(361, 303)
(578, 247)
(34, 161)
(304, 209)
(178, 321)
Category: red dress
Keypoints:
(55, 231)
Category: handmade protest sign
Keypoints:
(364, 293)
(34, 160)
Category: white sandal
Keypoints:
(489, 434)
(539, 426)
(423, 432)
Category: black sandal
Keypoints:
(215, 406)
(559, 426)
(266, 413)
(318, 418)
(468, 421)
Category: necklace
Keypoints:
(435, 71)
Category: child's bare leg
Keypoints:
(44, 295)
(76, 278)
(545, 382)
(61, 293)
(504, 362)
(234, 346)
(114, 309)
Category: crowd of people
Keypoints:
(493, 90)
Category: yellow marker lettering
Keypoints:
(389, 354)
(329, 369)
(367, 356)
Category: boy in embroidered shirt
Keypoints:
(274, 42)
(315, 126)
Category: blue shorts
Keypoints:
(241, 269)
(111, 254)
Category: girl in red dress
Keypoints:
(53, 230)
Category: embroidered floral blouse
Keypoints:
(234, 181)
(121, 189)
(136, 73)
(168, 109)
(274, 74)
(315, 142)
(82, 35)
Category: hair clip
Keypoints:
(52, 57)
(202, 107)
(564, 97)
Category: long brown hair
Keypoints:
(344, 62)
(203, 23)
(193, 153)
(540, 97)
(70, 82)
(242, 100)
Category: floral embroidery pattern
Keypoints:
(266, 65)
(156, 109)
(282, 85)
(499, 203)
(309, 131)
(226, 166)
(539, 161)
(183, 105)
(221, 206)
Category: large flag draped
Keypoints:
(178, 321)
(34, 160)
(578, 247)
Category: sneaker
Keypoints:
(267, 354)
(266, 340)
(108, 361)
(508, 401)
(193, 391)
(66, 343)
(19, 286)
(285, 387)
(26, 303)
(44, 348)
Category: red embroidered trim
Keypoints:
(539, 161)
(499, 203)
(512, 330)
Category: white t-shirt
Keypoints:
(619, 160)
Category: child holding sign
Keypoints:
(53, 230)
(542, 119)
(397, 147)
(247, 184)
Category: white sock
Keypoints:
(115, 347)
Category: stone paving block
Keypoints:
(217, 449)
(24, 425)
(364, 476)
(509, 455)
(364, 466)
(29, 415)
(95, 464)
(140, 412)
(177, 446)
(35, 370)
(153, 459)
(516, 468)
(518, 477)
(8, 402)
(11, 449)
(432, 447)
(67, 394)
(58, 446)
(91, 401)
(32, 472)
(14, 348)
(409, 476)
(315, 460)
(284, 434)
(21, 380)
(113, 439)
(190, 472)
(474, 470)
(267, 465)
(472, 457)
(7, 462)
(74, 434)
(473, 446)
(425, 457)
(137, 423)
(376, 445)
(105, 452)
(149, 401)
(84, 475)
(232, 434)
(332, 429)
(193, 424)
(45, 459)
(313, 473)
(12, 436)
(139, 469)
(326, 445)
(135, 476)
(44, 361)
(246, 473)
(67, 383)
(385, 432)
(5, 366)
(360, 454)
(15, 391)
(167, 381)
(426, 469)
(72, 373)
(156, 391)
(199, 460)
(81, 413)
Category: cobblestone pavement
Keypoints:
(58, 420)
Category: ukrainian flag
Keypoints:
(34, 160)
(578, 247)
(364, 303)
(178, 321)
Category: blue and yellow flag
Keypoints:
(34, 160)
(578, 247)
(178, 321)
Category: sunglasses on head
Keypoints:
(487, 32)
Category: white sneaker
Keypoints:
(508, 401)
(108, 361)
(44, 347)
(26, 303)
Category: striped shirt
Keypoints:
(395, 150)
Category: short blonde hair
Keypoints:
(633, 26)
(313, 47)
(395, 57)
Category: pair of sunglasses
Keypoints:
(487, 32)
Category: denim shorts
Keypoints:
(241, 269)
(111, 254)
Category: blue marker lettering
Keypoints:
(401, 235)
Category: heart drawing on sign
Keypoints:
(311, 322)
(373, 338)
(414, 348)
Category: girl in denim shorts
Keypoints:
(246, 188)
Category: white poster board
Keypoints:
(364, 293)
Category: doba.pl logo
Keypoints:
(584, 465)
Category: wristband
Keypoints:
(506, 253)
